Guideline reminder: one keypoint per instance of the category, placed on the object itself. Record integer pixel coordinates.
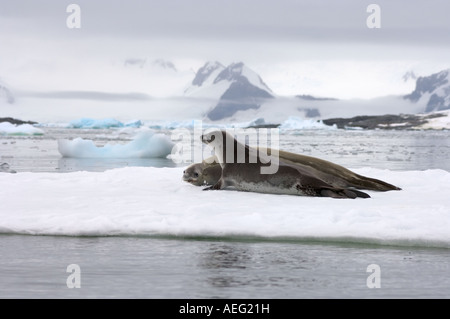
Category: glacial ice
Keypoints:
(146, 144)
(7, 128)
(89, 123)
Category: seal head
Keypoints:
(207, 172)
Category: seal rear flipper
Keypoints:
(369, 183)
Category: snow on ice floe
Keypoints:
(154, 202)
(7, 128)
(146, 144)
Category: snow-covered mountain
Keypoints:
(205, 77)
(164, 64)
(156, 89)
(433, 91)
(233, 88)
(151, 66)
(5, 94)
(154, 77)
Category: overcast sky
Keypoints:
(308, 40)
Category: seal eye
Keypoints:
(195, 174)
(184, 172)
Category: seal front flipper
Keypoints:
(217, 186)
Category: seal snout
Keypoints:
(190, 177)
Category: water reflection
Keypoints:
(259, 267)
(226, 263)
(225, 256)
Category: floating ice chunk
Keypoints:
(134, 123)
(298, 123)
(7, 128)
(86, 122)
(144, 145)
(258, 122)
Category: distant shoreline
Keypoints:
(388, 121)
(365, 122)
(16, 121)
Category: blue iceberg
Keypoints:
(146, 144)
(86, 122)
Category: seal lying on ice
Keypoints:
(209, 172)
(245, 173)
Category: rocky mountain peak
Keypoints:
(206, 71)
(435, 88)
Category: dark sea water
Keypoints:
(203, 267)
(127, 267)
